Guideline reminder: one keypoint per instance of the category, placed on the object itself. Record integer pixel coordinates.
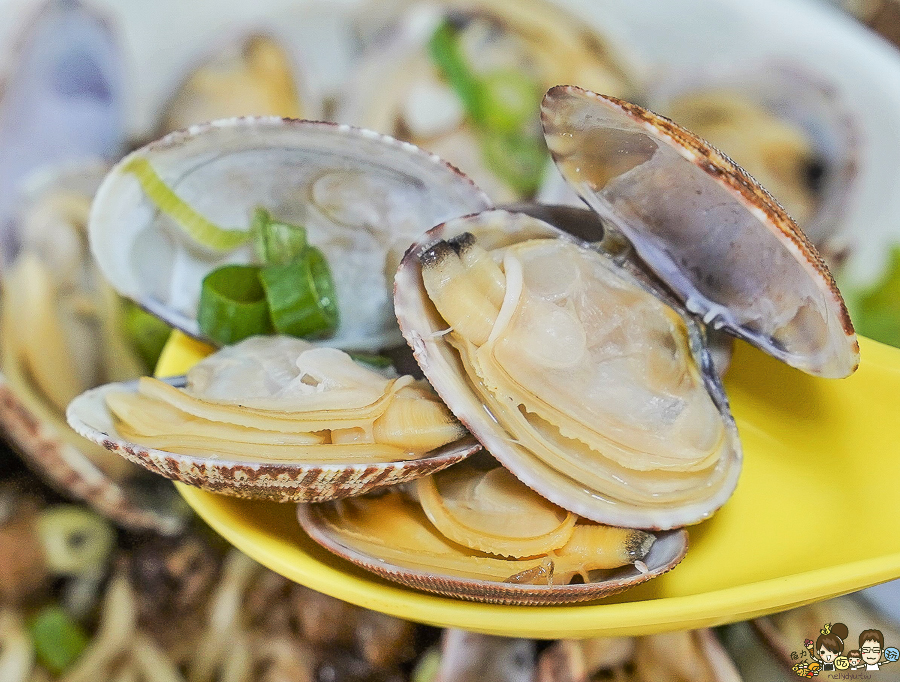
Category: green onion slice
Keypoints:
(448, 57)
(301, 296)
(373, 360)
(519, 159)
(58, 639)
(233, 304)
(199, 228)
(876, 311)
(275, 242)
(510, 99)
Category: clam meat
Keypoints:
(278, 418)
(476, 532)
(602, 389)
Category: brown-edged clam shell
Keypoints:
(704, 226)
(323, 524)
(275, 482)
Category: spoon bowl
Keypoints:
(814, 516)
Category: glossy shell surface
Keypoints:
(704, 226)
(363, 198)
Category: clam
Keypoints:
(476, 532)
(463, 79)
(362, 197)
(279, 419)
(62, 331)
(588, 379)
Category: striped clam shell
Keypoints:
(259, 480)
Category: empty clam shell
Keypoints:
(362, 197)
(707, 228)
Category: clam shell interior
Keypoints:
(282, 481)
(363, 198)
(708, 229)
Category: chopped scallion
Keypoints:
(876, 311)
(378, 361)
(502, 105)
(233, 304)
(198, 227)
(276, 242)
(510, 99)
(518, 159)
(447, 55)
(58, 639)
(301, 296)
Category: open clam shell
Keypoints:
(275, 418)
(271, 481)
(62, 331)
(707, 228)
(323, 524)
(363, 198)
(469, 398)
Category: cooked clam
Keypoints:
(463, 79)
(254, 75)
(476, 532)
(362, 198)
(600, 394)
(572, 366)
(276, 418)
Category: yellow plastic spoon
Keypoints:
(816, 514)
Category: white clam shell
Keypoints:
(363, 197)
